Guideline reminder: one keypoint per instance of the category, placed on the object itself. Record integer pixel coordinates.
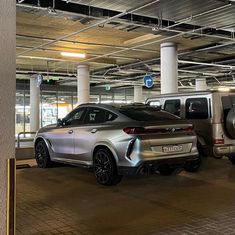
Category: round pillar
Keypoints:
(200, 84)
(138, 94)
(83, 84)
(34, 104)
(169, 68)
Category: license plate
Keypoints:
(172, 148)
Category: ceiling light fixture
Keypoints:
(224, 89)
(70, 54)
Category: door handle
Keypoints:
(93, 131)
(70, 131)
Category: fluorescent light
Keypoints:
(70, 54)
(225, 89)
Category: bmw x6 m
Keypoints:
(119, 140)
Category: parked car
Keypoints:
(117, 141)
(213, 117)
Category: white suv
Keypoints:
(213, 116)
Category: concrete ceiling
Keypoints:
(121, 39)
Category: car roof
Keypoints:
(116, 107)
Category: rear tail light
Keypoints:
(134, 130)
(218, 141)
(142, 130)
(188, 129)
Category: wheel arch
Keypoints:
(108, 148)
(40, 138)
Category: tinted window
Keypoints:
(197, 108)
(75, 117)
(110, 116)
(172, 106)
(147, 114)
(95, 115)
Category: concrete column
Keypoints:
(7, 100)
(200, 84)
(138, 94)
(83, 84)
(169, 68)
(34, 105)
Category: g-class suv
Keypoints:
(213, 116)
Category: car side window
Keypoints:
(172, 106)
(110, 116)
(95, 115)
(155, 103)
(76, 117)
(197, 108)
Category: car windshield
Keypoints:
(146, 114)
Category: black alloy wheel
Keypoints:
(42, 155)
(105, 168)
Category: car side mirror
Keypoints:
(59, 122)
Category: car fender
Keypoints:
(44, 139)
(110, 146)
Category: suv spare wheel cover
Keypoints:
(230, 123)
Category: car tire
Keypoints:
(42, 155)
(166, 170)
(105, 168)
(230, 123)
(232, 159)
(194, 165)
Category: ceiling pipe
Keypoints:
(202, 73)
(118, 16)
(101, 22)
(158, 59)
(90, 16)
(68, 60)
(207, 12)
(144, 44)
(201, 34)
(82, 43)
(149, 43)
(207, 64)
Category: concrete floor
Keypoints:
(67, 200)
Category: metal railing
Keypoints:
(24, 133)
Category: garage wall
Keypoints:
(7, 98)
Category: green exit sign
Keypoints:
(107, 87)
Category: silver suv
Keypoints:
(213, 117)
(117, 141)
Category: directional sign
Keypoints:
(107, 87)
(148, 81)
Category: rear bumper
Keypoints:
(149, 166)
(224, 150)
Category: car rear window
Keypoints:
(147, 114)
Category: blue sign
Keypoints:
(148, 81)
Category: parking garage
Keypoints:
(118, 62)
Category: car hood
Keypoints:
(46, 128)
